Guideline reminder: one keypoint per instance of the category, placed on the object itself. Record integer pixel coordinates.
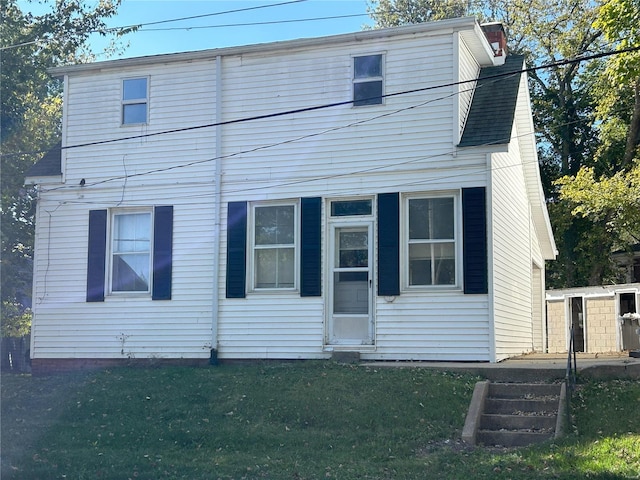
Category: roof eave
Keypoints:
(468, 24)
(43, 180)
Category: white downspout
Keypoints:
(216, 215)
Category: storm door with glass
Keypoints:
(351, 289)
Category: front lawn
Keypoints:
(304, 420)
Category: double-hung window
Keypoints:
(274, 246)
(131, 252)
(367, 80)
(432, 246)
(135, 100)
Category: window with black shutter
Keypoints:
(130, 252)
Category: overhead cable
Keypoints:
(558, 63)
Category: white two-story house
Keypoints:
(375, 192)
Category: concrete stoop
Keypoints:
(515, 414)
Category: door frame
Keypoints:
(569, 317)
(333, 225)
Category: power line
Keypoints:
(17, 45)
(139, 25)
(286, 183)
(251, 24)
(292, 140)
(558, 63)
(193, 17)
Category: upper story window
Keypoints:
(274, 240)
(432, 243)
(367, 80)
(134, 100)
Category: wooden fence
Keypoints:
(15, 354)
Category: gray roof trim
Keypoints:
(492, 112)
(455, 24)
(48, 166)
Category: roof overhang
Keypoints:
(591, 291)
(51, 179)
(48, 169)
(531, 168)
(468, 27)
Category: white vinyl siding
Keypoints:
(118, 177)
(331, 156)
(512, 259)
(339, 152)
(445, 326)
(469, 70)
(66, 326)
(321, 153)
(182, 98)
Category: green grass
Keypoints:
(305, 420)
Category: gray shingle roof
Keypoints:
(493, 107)
(48, 166)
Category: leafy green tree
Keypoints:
(609, 207)
(607, 197)
(614, 200)
(16, 320)
(619, 20)
(30, 114)
(392, 13)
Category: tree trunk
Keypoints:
(633, 138)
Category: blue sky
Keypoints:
(210, 32)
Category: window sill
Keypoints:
(274, 291)
(349, 348)
(433, 289)
(124, 297)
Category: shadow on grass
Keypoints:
(306, 420)
(29, 408)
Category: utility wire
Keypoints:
(284, 183)
(559, 63)
(139, 25)
(288, 141)
(251, 24)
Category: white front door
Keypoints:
(351, 286)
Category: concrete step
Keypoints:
(540, 423)
(514, 415)
(520, 406)
(511, 438)
(524, 390)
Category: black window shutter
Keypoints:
(311, 245)
(474, 220)
(96, 255)
(236, 249)
(389, 244)
(162, 253)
